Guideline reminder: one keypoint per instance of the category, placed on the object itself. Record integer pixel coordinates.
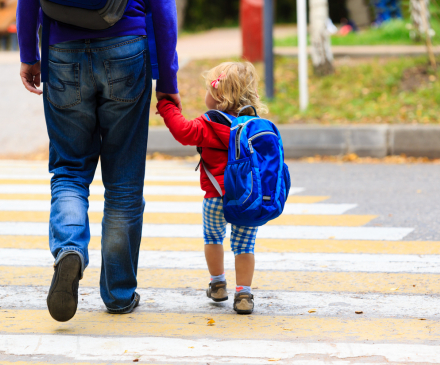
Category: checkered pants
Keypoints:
(214, 228)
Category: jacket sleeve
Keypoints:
(28, 23)
(165, 29)
(194, 132)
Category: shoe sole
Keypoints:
(221, 299)
(61, 299)
(243, 303)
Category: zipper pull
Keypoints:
(250, 146)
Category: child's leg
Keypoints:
(214, 232)
(244, 269)
(243, 243)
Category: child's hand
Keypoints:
(174, 98)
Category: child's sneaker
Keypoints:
(217, 291)
(244, 303)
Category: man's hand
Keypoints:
(30, 77)
(174, 98)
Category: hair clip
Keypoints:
(214, 84)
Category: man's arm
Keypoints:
(165, 27)
(28, 23)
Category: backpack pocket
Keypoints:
(127, 77)
(63, 90)
(239, 181)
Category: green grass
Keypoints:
(368, 91)
(394, 32)
(359, 92)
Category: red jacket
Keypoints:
(210, 131)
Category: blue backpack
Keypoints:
(91, 14)
(257, 181)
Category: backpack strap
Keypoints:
(151, 41)
(210, 176)
(245, 107)
(224, 115)
(212, 179)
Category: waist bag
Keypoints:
(93, 15)
(257, 181)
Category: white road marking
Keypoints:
(112, 349)
(99, 190)
(175, 207)
(286, 303)
(264, 261)
(195, 231)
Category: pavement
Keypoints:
(347, 275)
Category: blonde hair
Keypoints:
(237, 87)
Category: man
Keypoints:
(96, 104)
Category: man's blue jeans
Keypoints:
(96, 104)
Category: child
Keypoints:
(230, 86)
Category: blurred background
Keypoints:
(370, 62)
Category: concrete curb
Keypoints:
(303, 141)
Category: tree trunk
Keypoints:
(416, 17)
(322, 57)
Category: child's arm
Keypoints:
(194, 132)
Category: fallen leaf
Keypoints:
(394, 289)
(288, 329)
(211, 322)
(191, 347)
(149, 301)
(359, 312)
(312, 310)
(422, 319)
(136, 360)
(331, 238)
(277, 359)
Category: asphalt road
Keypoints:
(401, 195)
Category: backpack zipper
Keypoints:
(237, 142)
(251, 148)
(238, 135)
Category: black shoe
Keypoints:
(217, 291)
(62, 299)
(129, 309)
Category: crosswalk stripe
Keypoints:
(262, 245)
(99, 190)
(67, 363)
(327, 262)
(269, 302)
(196, 231)
(159, 180)
(293, 199)
(176, 207)
(302, 281)
(310, 327)
(194, 218)
(154, 189)
(82, 348)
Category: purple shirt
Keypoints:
(132, 23)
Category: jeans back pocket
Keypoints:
(63, 90)
(126, 77)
